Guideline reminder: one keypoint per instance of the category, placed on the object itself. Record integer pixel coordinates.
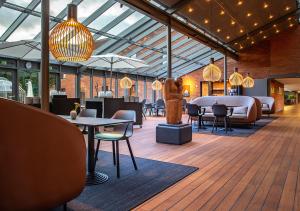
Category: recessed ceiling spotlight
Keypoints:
(277, 31)
(190, 9)
(271, 16)
(248, 38)
(255, 24)
(261, 32)
(235, 43)
(252, 42)
(241, 31)
(287, 8)
(274, 25)
(266, 5)
(249, 14)
(241, 47)
(265, 37)
(232, 22)
(206, 21)
(222, 12)
(227, 37)
(240, 3)
(218, 30)
(289, 18)
(291, 25)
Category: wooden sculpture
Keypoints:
(173, 97)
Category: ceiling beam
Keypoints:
(165, 18)
(178, 6)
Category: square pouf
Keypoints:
(173, 134)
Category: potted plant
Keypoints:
(73, 113)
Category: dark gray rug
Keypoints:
(237, 130)
(133, 188)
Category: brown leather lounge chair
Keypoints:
(42, 158)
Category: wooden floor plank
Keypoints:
(237, 173)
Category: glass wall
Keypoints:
(141, 89)
(85, 87)
(28, 84)
(6, 81)
(67, 84)
(149, 91)
(97, 84)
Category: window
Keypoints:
(68, 84)
(108, 16)
(28, 83)
(27, 30)
(9, 16)
(149, 91)
(97, 84)
(6, 80)
(127, 22)
(84, 87)
(141, 89)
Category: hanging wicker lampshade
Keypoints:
(70, 40)
(126, 83)
(156, 85)
(248, 82)
(212, 72)
(235, 78)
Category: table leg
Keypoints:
(93, 177)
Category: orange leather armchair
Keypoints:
(42, 158)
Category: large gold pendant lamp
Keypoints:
(125, 83)
(212, 72)
(156, 85)
(248, 82)
(71, 41)
(236, 79)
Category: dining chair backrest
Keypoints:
(193, 109)
(160, 103)
(219, 110)
(125, 115)
(88, 113)
(143, 102)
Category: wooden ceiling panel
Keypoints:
(231, 20)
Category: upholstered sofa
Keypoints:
(42, 158)
(244, 107)
(267, 104)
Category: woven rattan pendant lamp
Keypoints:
(248, 82)
(156, 85)
(71, 41)
(212, 72)
(125, 83)
(236, 79)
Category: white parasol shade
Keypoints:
(114, 61)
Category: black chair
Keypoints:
(144, 107)
(148, 107)
(195, 111)
(87, 113)
(220, 112)
(119, 132)
(160, 105)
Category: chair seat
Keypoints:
(109, 136)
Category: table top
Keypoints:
(92, 121)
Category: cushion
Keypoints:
(240, 110)
(109, 136)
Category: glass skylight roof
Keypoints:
(116, 29)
